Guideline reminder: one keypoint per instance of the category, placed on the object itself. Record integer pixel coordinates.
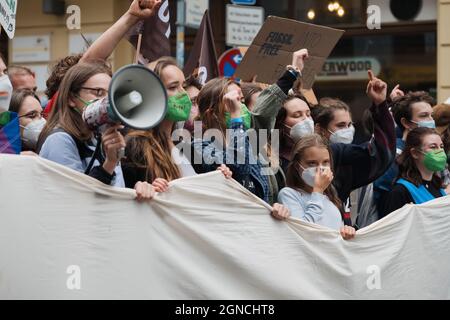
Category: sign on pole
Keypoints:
(8, 9)
(229, 61)
(195, 9)
(243, 24)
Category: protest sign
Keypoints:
(271, 50)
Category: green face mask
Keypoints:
(246, 117)
(179, 107)
(435, 160)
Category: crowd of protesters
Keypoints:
(311, 175)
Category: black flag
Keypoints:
(202, 61)
(155, 35)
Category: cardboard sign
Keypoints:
(271, 50)
(8, 9)
(310, 96)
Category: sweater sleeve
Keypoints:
(369, 160)
(61, 148)
(270, 101)
(310, 211)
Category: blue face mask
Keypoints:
(425, 124)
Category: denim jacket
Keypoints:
(238, 156)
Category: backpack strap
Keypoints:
(84, 151)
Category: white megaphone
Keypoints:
(137, 99)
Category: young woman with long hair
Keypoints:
(151, 155)
(422, 159)
(66, 138)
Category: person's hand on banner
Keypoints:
(396, 93)
(225, 171)
(347, 232)
(280, 212)
(376, 89)
(28, 154)
(143, 9)
(298, 59)
(144, 191)
(160, 185)
(232, 101)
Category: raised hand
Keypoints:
(376, 89)
(143, 9)
(396, 93)
(232, 102)
(299, 57)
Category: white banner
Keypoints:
(8, 10)
(64, 235)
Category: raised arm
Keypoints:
(104, 46)
(370, 160)
(271, 100)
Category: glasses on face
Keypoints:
(33, 115)
(98, 92)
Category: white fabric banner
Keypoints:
(64, 235)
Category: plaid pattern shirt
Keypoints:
(238, 156)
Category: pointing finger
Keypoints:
(371, 76)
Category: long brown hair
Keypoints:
(210, 104)
(150, 149)
(407, 165)
(294, 179)
(63, 115)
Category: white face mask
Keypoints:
(302, 129)
(426, 124)
(31, 133)
(343, 136)
(309, 175)
(6, 90)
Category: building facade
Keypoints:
(411, 48)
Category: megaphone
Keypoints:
(137, 99)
